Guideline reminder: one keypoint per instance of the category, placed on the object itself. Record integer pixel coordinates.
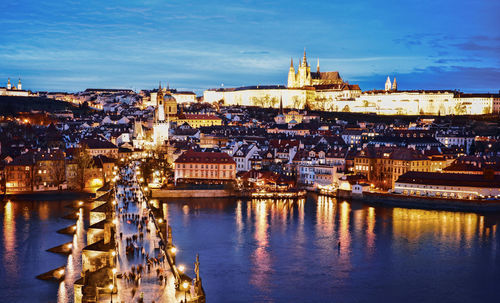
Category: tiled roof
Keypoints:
(200, 117)
(96, 143)
(449, 179)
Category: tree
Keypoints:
(59, 171)
(460, 109)
(84, 161)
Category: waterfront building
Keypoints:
(383, 165)
(19, 174)
(100, 146)
(194, 166)
(448, 185)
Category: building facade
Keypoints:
(328, 91)
(212, 167)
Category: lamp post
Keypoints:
(111, 291)
(185, 286)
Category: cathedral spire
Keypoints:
(394, 85)
(317, 68)
(304, 59)
(388, 84)
(291, 63)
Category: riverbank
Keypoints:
(49, 195)
(428, 202)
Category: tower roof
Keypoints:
(304, 59)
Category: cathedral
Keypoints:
(304, 77)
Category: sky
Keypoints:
(57, 45)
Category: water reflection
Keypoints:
(370, 229)
(451, 228)
(260, 257)
(239, 224)
(9, 237)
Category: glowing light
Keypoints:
(185, 285)
(114, 271)
(173, 250)
(113, 253)
(110, 287)
(69, 245)
(181, 268)
(160, 220)
(61, 272)
(80, 203)
(96, 182)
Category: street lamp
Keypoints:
(111, 291)
(181, 268)
(185, 286)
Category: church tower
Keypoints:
(394, 85)
(160, 110)
(317, 67)
(304, 74)
(9, 86)
(161, 127)
(388, 84)
(19, 85)
(291, 75)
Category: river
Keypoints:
(264, 251)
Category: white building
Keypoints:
(446, 185)
(243, 155)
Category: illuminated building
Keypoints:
(194, 166)
(161, 126)
(448, 185)
(329, 92)
(13, 91)
(199, 120)
(383, 165)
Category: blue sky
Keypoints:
(194, 45)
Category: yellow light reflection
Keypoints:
(239, 223)
(452, 228)
(9, 236)
(325, 220)
(370, 227)
(260, 257)
(345, 236)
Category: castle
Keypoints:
(327, 91)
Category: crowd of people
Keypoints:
(143, 240)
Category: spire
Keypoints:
(317, 68)
(388, 84)
(281, 105)
(159, 96)
(291, 63)
(304, 59)
(9, 86)
(19, 85)
(394, 85)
